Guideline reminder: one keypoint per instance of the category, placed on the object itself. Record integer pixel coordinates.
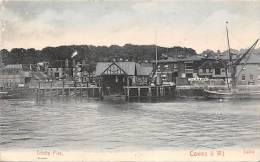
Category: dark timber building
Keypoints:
(115, 75)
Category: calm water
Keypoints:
(96, 125)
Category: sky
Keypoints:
(195, 24)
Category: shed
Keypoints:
(116, 75)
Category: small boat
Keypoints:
(231, 94)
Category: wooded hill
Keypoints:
(91, 53)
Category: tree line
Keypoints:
(90, 53)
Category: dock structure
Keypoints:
(88, 92)
(148, 92)
(189, 91)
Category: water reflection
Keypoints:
(79, 123)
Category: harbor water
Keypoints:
(81, 124)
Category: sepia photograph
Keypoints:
(129, 80)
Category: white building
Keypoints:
(248, 72)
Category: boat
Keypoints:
(234, 92)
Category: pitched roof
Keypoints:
(13, 67)
(212, 64)
(144, 69)
(193, 58)
(169, 59)
(39, 76)
(101, 67)
(127, 67)
(253, 59)
(189, 58)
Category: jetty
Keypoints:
(130, 92)
(148, 92)
(69, 91)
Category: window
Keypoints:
(189, 75)
(210, 70)
(251, 77)
(189, 66)
(166, 67)
(223, 70)
(243, 77)
(217, 71)
(56, 75)
(204, 70)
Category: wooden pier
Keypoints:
(148, 92)
(189, 91)
(130, 92)
(88, 92)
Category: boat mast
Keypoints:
(156, 59)
(234, 64)
(156, 53)
(229, 53)
(232, 67)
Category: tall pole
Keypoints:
(156, 53)
(230, 59)
(229, 53)
(156, 59)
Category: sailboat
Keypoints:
(234, 92)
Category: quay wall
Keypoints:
(191, 92)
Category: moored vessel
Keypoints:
(234, 94)
(233, 91)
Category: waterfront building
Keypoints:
(42, 66)
(88, 77)
(14, 75)
(248, 71)
(60, 69)
(178, 69)
(116, 75)
(215, 71)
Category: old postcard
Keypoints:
(148, 80)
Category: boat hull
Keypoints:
(232, 95)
